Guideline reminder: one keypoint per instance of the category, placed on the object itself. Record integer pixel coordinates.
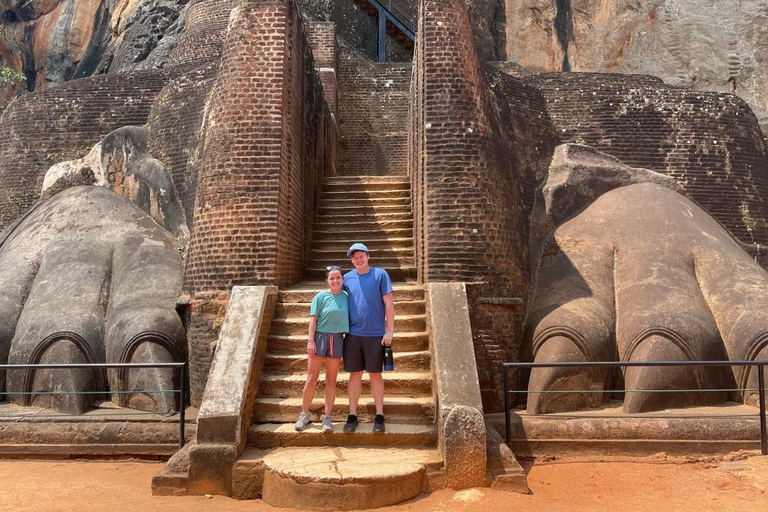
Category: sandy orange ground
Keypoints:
(643, 485)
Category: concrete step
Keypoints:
(412, 383)
(366, 181)
(384, 259)
(402, 273)
(268, 435)
(299, 325)
(305, 291)
(364, 195)
(397, 409)
(358, 224)
(301, 309)
(419, 361)
(370, 216)
(331, 479)
(386, 251)
(368, 209)
(361, 231)
(297, 343)
(375, 244)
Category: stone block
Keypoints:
(210, 469)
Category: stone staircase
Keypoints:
(375, 211)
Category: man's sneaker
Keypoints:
(301, 423)
(327, 424)
(378, 424)
(351, 423)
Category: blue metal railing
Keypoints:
(182, 390)
(760, 365)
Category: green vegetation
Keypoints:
(8, 75)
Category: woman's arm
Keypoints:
(311, 348)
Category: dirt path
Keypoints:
(641, 485)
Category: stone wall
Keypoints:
(710, 142)
(177, 129)
(204, 32)
(373, 114)
(325, 49)
(64, 123)
(270, 137)
(470, 215)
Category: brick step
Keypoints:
(364, 195)
(368, 209)
(374, 244)
(410, 383)
(366, 181)
(301, 309)
(379, 256)
(304, 292)
(364, 224)
(359, 232)
(398, 409)
(376, 218)
(300, 324)
(269, 435)
(401, 273)
(365, 202)
(418, 361)
(297, 343)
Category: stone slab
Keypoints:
(607, 430)
(225, 409)
(270, 435)
(344, 478)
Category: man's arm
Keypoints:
(389, 307)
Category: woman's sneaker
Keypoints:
(327, 423)
(378, 424)
(301, 423)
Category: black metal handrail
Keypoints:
(570, 364)
(182, 367)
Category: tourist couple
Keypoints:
(354, 318)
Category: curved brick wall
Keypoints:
(64, 123)
(205, 29)
(176, 128)
(710, 142)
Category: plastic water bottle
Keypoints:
(389, 360)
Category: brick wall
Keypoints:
(710, 142)
(322, 38)
(269, 139)
(177, 129)
(469, 200)
(205, 28)
(64, 123)
(373, 114)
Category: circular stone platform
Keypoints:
(339, 478)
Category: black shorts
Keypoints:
(363, 353)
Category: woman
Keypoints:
(328, 322)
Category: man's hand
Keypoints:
(387, 339)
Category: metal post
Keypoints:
(506, 403)
(182, 404)
(761, 390)
(382, 36)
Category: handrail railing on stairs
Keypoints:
(400, 13)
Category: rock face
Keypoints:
(640, 273)
(52, 41)
(702, 44)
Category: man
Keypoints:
(371, 328)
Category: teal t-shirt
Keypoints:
(332, 311)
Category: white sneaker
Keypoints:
(327, 424)
(301, 423)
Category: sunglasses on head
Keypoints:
(332, 267)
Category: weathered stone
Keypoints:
(343, 478)
(59, 40)
(226, 410)
(676, 40)
(505, 472)
(88, 277)
(210, 469)
(640, 274)
(462, 431)
(122, 163)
